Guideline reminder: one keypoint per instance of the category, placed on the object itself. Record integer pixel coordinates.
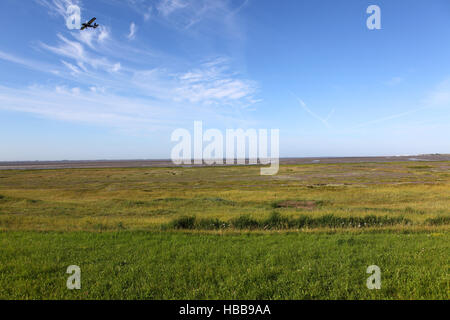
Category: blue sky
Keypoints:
(309, 68)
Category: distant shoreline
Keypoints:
(80, 164)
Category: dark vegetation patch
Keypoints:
(169, 199)
(220, 201)
(132, 203)
(161, 212)
(277, 222)
(438, 221)
(298, 204)
(420, 167)
(407, 210)
(4, 199)
(143, 203)
(185, 222)
(211, 224)
(328, 187)
(33, 201)
(351, 242)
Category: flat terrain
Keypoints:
(309, 232)
(150, 265)
(23, 165)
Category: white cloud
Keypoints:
(116, 67)
(75, 50)
(58, 7)
(93, 38)
(98, 106)
(212, 83)
(76, 91)
(71, 67)
(103, 34)
(30, 64)
(148, 14)
(133, 30)
(440, 96)
(185, 14)
(394, 81)
(102, 88)
(93, 106)
(166, 7)
(12, 58)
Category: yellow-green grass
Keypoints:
(147, 198)
(119, 226)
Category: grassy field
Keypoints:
(309, 232)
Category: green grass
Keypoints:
(277, 222)
(309, 232)
(152, 265)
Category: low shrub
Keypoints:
(277, 222)
(245, 222)
(211, 224)
(185, 222)
(438, 221)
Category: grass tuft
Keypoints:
(184, 222)
(438, 221)
(277, 222)
(211, 224)
(245, 222)
(299, 204)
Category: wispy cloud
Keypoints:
(440, 96)
(30, 64)
(394, 81)
(148, 13)
(75, 50)
(93, 37)
(107, 81)
(58, 7)
(98, 106)
(166, 7)
(214, 83)
(185, 14)
(71, 67)
(133, 30)
(389, 117)
(437, 98)
(93, 106)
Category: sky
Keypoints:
(311, 69)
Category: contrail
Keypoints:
(313, 114)
(394, 116)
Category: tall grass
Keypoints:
(438, 221)
(277, 222)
